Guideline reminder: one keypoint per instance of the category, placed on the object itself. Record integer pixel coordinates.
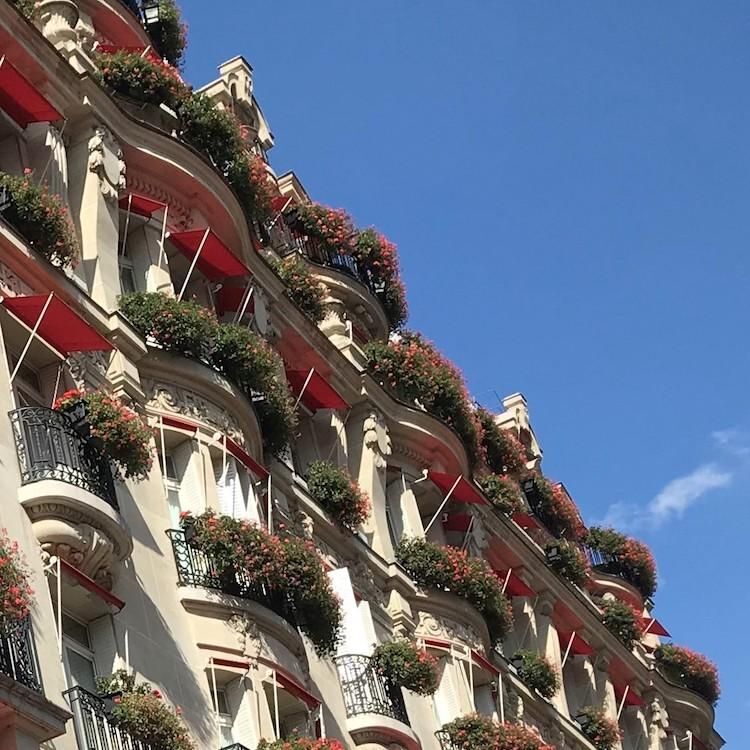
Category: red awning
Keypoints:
(631, 698)
(458, 522)
(526, 520)
(579, 647)
(651, 626)
(111, 49)
(21, 100)
(180, 424)
(231, 298)
(141, 205)
(288, 683)
(280, 202)
(246, 459)
(91, 585)
(61, 327)
(216, 261)
(464, 491)
(516, 586)
(318, 393)
(483, 663)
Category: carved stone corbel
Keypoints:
(106, 161)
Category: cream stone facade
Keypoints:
(110, 558)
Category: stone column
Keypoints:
(548, 643)
(97, 174)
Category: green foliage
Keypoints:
(503, 492)
(401, 663)
(537, 673)
(620, 619)
(571, 563)
(554, 508)
(601, 731)
(338, 494)
(503, 451)
(170, 35)
(477, 732)
(41, 219)
(27, 8)
(139, 77)
(689, 669)
(301, 286)
(450, 569)
(16, 595)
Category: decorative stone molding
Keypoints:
(88, 369)
(86, 33)
(377, 438)
(546, 605)
(179, 214)
(431, 626)
(59, 18)
(408, 452)
(364, 582)
(106, 161)
(12, 285)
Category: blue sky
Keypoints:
(568, 184)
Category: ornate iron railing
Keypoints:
(600, 560)
(367, 692)
(235, 746)
(18, 658)
(196, 568)
(94, 726)
(49, 448)
(446, 741)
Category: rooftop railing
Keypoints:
(367, 692)
(48, 447)
(18, 658)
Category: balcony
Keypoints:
(196, 568)
(49, 448)
(609, 577)
(446, 741)
(93, 726)
(235, 746)
(18, 656)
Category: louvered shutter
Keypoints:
(239, 697)
(354, 640)
(447, 701)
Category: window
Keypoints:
(221, 706)
(78, 656)
(289, 715)
(234, 488)
(127, 275)
(172, 487)
(27, 385)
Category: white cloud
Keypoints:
(733, 441)
(679, 494)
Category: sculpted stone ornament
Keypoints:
(431, 626)
(59, 18)
(106, 161)
(88, 369)
(363, 581)
(179, 214)
(11, 285)
(658, 723)
(377, 438)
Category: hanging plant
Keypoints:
(628, 558)
(338, 494)
(285, 573)
(553, 507)
(504, 453)
(536, 672)
(27, 8)
(170, 34)
(414, 371)
(295, 742)
(15, 593)
(331, 228)
(450, 569)
(301, 286)
(142, 712)
(689, 669)
(404, 665)
(503, 492)
(140, 77)
(124, 437)
(477, 732)
(603, 732)
(41, 219)
(568, 561)
(622, 621)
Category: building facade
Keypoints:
(94, 123)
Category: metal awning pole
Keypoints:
(163, 236)
(269, 503)
(245, 302)
(163, 457)
(443, 504)
(127, 651)
(127, 225)
(50, 157)
(507, 579)
(192, 264)
(465, 541)
(622, 702)
(31, 338)
(57, 384)
(276, 704)
(280, 213)
(304, 387)
(567, 650)
(213, 687)
(649, 626)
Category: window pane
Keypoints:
(81, 671)
(75, 630)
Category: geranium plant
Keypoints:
(331, 229)
(414, 371)
(338, 494)
(689, 669)
(403, 664)
(142, 712)
(603, 732)
(26, 7)
(140, 77)
(170, 34)
(536, 672)
(477, 732)
(124, 437)
(40, 218)
(295, 742)
(503, 492)
(285, 572)
(567, 560)
(504, 453)
(15, 592)
(553, 507)
(627, 557)
(301, 287)
(622, 621)
(451, 569)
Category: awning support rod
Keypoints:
(622, 702)
(567, 650)
(31, 338)
(193, 263)
(507, 579)
(163, 236)
(304, 387)
(51, 156)
(443, 504)
(245, 302)
(127, 225)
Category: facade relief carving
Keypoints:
(377, 438)
(88, 369)
(179, 213)
(658, 723)
(430, 626)
(11, 285)
(107, 162)
(364, 582)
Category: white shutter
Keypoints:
(226, 485)
(447, 701)
(239, 695)
(485, 701)
(354, 639)
(188, 464)
(247, 500)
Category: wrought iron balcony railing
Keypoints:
(48, 447)
(367, 692)
(600, 560)
(18, 656)
(196, 568)
(93, 724)
(446, 741)
(235, 746)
